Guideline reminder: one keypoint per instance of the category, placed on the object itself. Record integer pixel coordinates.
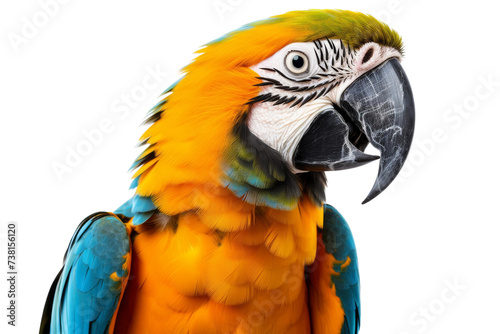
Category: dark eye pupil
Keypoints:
(298, 61)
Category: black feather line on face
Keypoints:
(289, 89)
(273, 98)
(331, 44)
(306, 88)
(296, 102)
(276, 82)
(320, 48)
(330, 88)
(317, 57)
(268, 69)
(324, 83)
(259, 98)
(264, 84)
(303, 89)
(322, 92)
(283, 100)
(308, 98)
(290, 99)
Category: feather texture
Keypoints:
(88, 289)
(194, 276)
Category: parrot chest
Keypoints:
(195, 279)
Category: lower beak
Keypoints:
(377, 107)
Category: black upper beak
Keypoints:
(378, 107)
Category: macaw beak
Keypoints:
(377, 108)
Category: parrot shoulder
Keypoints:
(86, 293)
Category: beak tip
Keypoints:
(373, 193)
(366, 200)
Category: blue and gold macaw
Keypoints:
(228, 231)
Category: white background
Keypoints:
(437, 223)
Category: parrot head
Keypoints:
(267, 109)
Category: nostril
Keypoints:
(368, 55)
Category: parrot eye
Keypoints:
(296, 62)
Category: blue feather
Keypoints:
(139, 207)
(126, 209)
(157, 106)
(339, 242)
(86, 297)
(140, 218)
(171, 87)
(134, 183)
(142, 204)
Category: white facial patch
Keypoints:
(301, 81)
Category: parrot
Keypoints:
(227, 230)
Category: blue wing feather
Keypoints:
(86, 296)
(139, 207)
(339, 242)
